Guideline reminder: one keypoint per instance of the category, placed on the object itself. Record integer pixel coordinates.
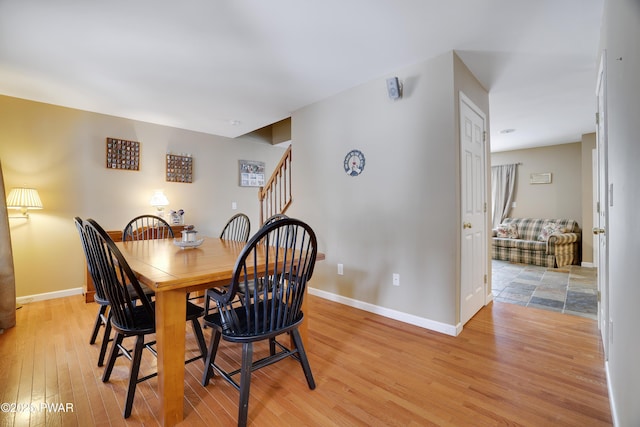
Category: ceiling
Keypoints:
(228, 67)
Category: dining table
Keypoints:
(172, 272)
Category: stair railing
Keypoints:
(275, 197)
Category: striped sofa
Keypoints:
(546, 242)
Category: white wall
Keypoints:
(401, 215)
(61, 152)
(620, 35)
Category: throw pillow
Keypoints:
(509, 231)
(549, 228)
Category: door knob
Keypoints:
(599, 230)
(466, 225)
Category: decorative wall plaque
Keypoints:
(123, 154)
(540, 178)
(179, 168)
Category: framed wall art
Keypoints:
(251, 173)
(540, 178)
(123, 154)
(179, 168)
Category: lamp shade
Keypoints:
(159, 199)
(24, 198)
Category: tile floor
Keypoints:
(571, 289)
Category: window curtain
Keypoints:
(503, 184)
(7, 277)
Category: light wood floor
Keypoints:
(510, 366)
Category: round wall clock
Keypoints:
(354, 162)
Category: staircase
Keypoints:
(275, 196)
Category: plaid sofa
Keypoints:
(529, 247)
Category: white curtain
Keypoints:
(503, 182)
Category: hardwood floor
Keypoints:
(510, 366)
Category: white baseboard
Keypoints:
(49, 295)
(587, 264)
(387, 312)
(614, 414)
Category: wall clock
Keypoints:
(354, 163)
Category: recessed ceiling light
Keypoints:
(234, 122)
(506, 131)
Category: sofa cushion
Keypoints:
(509, 231)
(530, 245)
(504, 242)
(549, 228)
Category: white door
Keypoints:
(604, 198)
(473, 259)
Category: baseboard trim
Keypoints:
(49, 295)
(387, 312)
(612, 404)
(587, 264)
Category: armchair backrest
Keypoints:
(289, 248)
(146, 227)
(120, 283)
(237, 228)
(92, 266)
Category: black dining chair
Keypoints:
(289, 247)
(146, 227)
(274, 218)
(130, 317)
(100, 297)
(237, 228)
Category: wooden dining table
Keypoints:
(172, 272)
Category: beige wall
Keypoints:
(61, 152)
(401, 215)
(569, 192)
(560, 199)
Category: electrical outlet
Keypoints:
(396, 279)
(234, 206)
(340, 270)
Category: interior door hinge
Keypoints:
(599, 296)
(485, 207)
(485, 279)
(484, 136)
(597, 118)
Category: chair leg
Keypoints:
(211, 357)
(99, 322)
(105, 340)
(197, 331)
(133, 377)
(245, 383)
(272, 346)
(206, 302)
(115, 350)
(303, 358)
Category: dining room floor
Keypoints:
(572, 289)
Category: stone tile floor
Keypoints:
(571, 289)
